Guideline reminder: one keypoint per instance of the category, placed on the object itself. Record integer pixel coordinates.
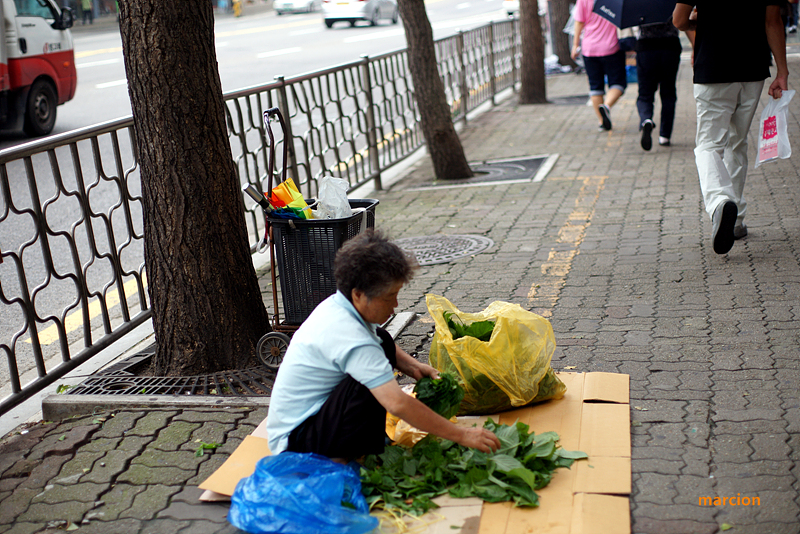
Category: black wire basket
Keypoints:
(305, 250)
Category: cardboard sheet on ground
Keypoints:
(590, 498)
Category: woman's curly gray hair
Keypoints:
(371, 263)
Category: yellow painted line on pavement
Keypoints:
(75, 319)
(88, 53)
(559, 261)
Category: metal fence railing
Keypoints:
(71, 232)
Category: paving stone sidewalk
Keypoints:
(613, 247)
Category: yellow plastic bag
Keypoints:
(401, 433)
(511, 370)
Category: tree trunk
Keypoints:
(207, 309)
(559, 16)
(532, 77)
(444, 147)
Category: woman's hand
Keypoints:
(412, 367)
(424, 369)
(480, 438)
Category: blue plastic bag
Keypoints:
(295, 493)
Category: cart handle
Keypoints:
(268, 115)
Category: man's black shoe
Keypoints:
(647, 134)
(722, 224)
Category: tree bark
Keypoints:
(532, 76)
(444, 147)
(559, 16)
(207, 309)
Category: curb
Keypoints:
(59, 407)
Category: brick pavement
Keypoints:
(613, 247)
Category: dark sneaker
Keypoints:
(722, 224)
(739, 231)
(606, 114)
(647, 134)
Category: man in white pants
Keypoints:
(732, 40)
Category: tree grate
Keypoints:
(521, 169)
(440, 248)
(122, 379)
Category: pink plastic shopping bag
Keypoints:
(773, 138)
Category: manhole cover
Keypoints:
(433, 249)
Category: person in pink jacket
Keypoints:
(602, 57)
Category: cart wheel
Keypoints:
(271, 349)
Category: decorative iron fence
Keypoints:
(71, 237)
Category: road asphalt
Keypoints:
(613, 247)
(108, 21)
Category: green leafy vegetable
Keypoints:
(443, 395)
(479, 329)
(408, 479)
(205, 447)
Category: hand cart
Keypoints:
(303, 251)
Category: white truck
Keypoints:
(37, 64)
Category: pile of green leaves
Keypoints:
(443, 395)
(407, 479)
(479, 329)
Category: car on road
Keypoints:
(352, 11)
(296, 6)
(511, 7)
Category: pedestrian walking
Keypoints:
(602, 57)
(658, 56)
(86, 7)
(731, 41)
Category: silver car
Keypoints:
(354, 10)
(296, 6)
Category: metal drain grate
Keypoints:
(121, 379)
(502, 170)
(574, 100)
(433, 249)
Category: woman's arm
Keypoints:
(420, 416)
(576, 41)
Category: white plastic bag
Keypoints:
(569, 27)
(332, 199)
(773, 138)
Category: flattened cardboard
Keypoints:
(607, 387)
(240, 464)
(600, 514)
(601, 474)
(605, 430)
(462, 515)
(591, 498)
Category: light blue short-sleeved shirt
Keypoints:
(333, 342)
